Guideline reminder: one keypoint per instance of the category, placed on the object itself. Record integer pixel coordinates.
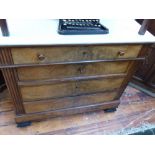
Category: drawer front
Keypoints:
(73, 53)
(68, 102)
(74, 88)
(64, 71)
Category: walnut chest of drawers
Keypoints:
(50, 81)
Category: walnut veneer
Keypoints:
(60, 80)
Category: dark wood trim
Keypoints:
(10, 77)
(71, 62)
(68, 111)
(144, 26)
(142, 87)
(147, 67)
(4, 27)
(150, 73)
(131, 70)
(150, 27)
(2, 82)
(82, 78)
(137, 78)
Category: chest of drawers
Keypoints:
(55, 81)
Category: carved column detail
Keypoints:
(10, 77)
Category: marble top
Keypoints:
(44, 32)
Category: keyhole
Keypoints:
(81, 69)
(76, 85)
(84, 53)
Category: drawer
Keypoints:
(69, 102)
(73, 53)
(64, 71)
(72, 88)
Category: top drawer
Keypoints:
(73, 53)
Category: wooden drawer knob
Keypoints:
(41, 57)
(121, 53)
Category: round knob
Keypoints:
(41, 57)
(121, 53)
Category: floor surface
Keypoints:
(135, 115)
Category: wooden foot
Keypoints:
(110, 110)
(23, 124)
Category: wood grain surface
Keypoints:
(68, 102)
(73, 76)
(62, 71)
(69, 88)
(73, 53)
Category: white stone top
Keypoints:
(44, 32)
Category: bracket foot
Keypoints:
(110, 110)
(23, 124)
